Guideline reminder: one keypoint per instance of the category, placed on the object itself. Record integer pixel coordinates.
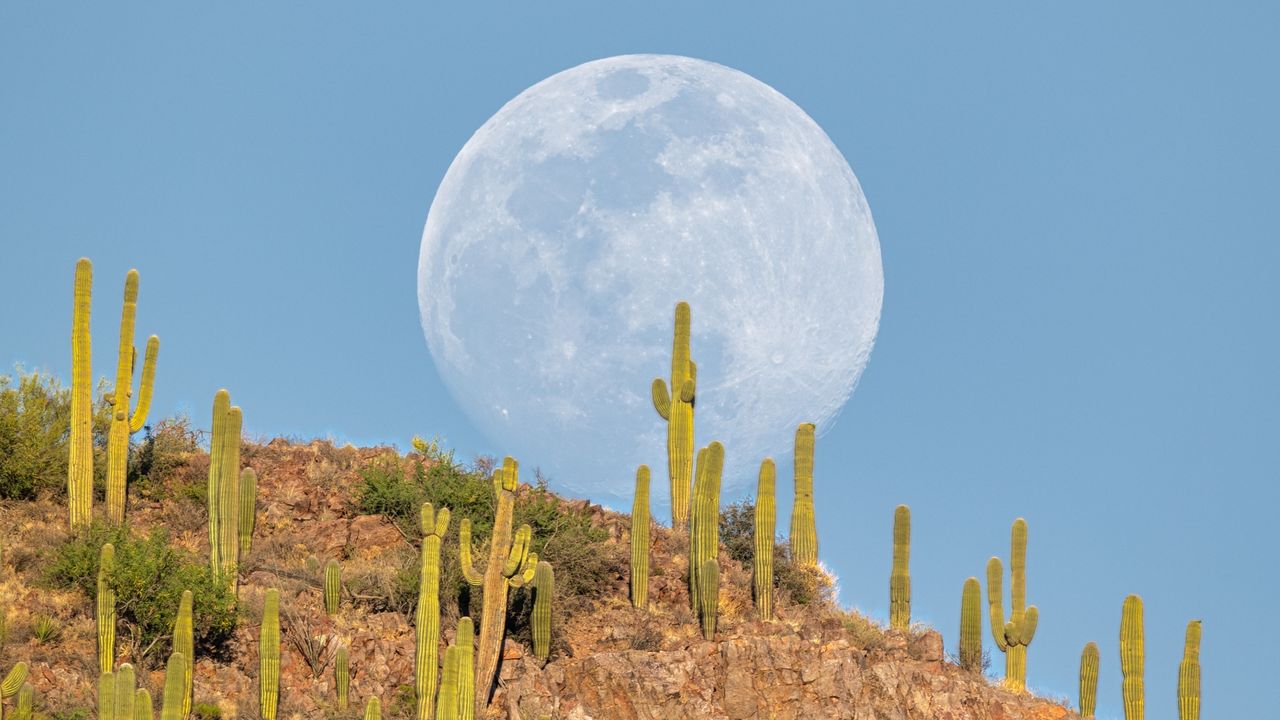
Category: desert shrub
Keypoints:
(165, 449)
(206, 711)
(149, 578)
(863, 631)
(799, 585)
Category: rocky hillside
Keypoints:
(609, 661)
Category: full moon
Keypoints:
(572, 222)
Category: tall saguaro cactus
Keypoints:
(900, 576)
(1189, 675)
(427, 621)
(176, 693)
(105, 615)
(510, 565)
(704, 524)
(544, 584)
(675, 405)
(269, 656)
(1089, 680)
(804, 529)
(971, 626)
(1014, 636)
(1132, 658)
(640, 540)
(764, 530)
(184, 647)
(224, 489)
(123, 423)
(80, 460)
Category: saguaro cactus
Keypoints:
(124, 424)
(80, 460)
(124, 692)
(544, 583)
(332, 586)
(142, 709)
(12, 683)
(709, 597)
(342, 677)
(900, 576)
(1089, 680)
(764, 531)
(466, 654)
(510, 565)
(269, 656)
(427, 621)
(1014, 636)
(704, 525)
(107, 696)
(804, 529)
(184, 647)
(971, 626)
(675, 405)
(640, 540)
(224, 489)
(373, 709)
(22, 706)
(248, 508)
(1132, 658)
(1189, 675)
(106, 609)
(447, 707)
(176, 694)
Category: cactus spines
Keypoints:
(248, 508)
(510, 565)
(1189, 675)
(106, 609)
(704, 523)
(176, 694)
(675, 405)
(184, 647)
(447, 708)
(107, 696)
(765, 529)
(804, 530)
(544, 582)
(80, 458)
(123, 694)
(224, 489)
(900, 576)
(640, 540)
(1132, 658)
(22, 707)
(142, 709)
(342, 676)
(373, 709)
(269, 656)
(465, 643)
(971, 626)
(427, 620)
(709, 596)
(1012, 637)
(332, 586)
(123, 423)
(1089, 680)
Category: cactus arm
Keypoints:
(995, 602)
(475, 579)
(13, 681)
(145, 387)
(1027, 629)
(661, 398)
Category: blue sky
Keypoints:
(1076, 207)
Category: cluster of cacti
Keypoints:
(123, 422)
(900, 576)
(510, 565)
(80, 458)
(269, 656)
(332, 586)
(184, 648)
(1089, 680)
(427, 622)
(1012, 637)
(105, 609)
(544, 582)
(764, 529)
(704, 536)
(248, 508)
(342, 677)
(224, 489)
(177, 687)
(971, 626)
(12, 684)
(804, 530)
(1189, 675)
(675, 405)
(119, 697)
(457, 686)
(1132, 658)
(640, 540)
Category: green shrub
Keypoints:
(206, 711)
(165, 450)
(148, 579)
(801, 585)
